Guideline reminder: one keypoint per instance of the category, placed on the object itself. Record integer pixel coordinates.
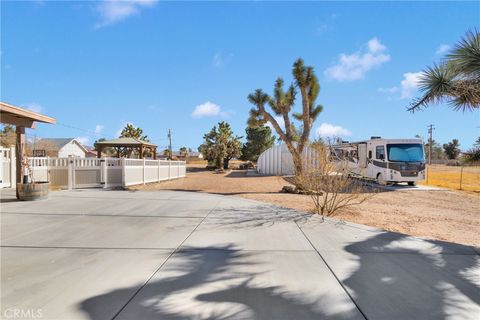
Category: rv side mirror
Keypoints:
(382, 157)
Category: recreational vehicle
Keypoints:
(387, 161)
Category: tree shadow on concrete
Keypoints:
(401, 277)
(207, 283)
(255, 216)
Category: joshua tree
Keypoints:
(220, 145)
(281, 104)
(183, 152)
(130, 131)
(452, 149)
(456, 80)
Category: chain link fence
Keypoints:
(454, 177)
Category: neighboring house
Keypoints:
(61, 147)
(91, 153)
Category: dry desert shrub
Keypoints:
(328, 184)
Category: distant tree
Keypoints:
(281, 104)
(259, 139)
(184, 152)
(437, 151)
(130, 131)
(108, 151)
(7, 136)
(452, 149)
(473, 155)
(51, 149)
(166, 153)
(220, 145)
(477, 142)
(456, 80)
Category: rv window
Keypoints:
(380, 152)
(370, 154)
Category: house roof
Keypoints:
(17, 116)
(125, 142)
(61, 142)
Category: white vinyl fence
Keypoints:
(72, 172)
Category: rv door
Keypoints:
(362, 155)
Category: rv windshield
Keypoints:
(405, 152)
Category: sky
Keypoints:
(185, 66)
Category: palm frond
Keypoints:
(465, 56)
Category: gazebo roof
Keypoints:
(17, 116)
(125, 142)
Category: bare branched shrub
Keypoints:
(328, 184)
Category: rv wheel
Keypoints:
(411, 183)
(380, 180)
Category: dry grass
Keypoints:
(449, 177)
(438, 214)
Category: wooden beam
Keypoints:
(6, 108)
(17, 121)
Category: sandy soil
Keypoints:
(436, 214)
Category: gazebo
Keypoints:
(21, 119)
(126, 146)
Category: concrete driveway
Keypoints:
(95, 254)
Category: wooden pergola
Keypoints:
(126, 146)
(21, 119)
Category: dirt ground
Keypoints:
(435, 214)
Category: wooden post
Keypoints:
(103, 173)
(155, 153)
(71, 173)
(461, 177)
(123, 163)
(99, 151)
(13, 167)
(141, 151)
(144, 171)
(20, 154)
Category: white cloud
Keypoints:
(83, 140)
(388, 90)
(35, 107)
(442, 49)
(327, 130)
(410, 84)
(113, 11)
(207, 109)
(99, 129)
(354, 66)
(220, 60)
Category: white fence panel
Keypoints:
(86, 172)
(7, 167)
(93, 172)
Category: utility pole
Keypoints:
(170, 144)
(430, 142)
